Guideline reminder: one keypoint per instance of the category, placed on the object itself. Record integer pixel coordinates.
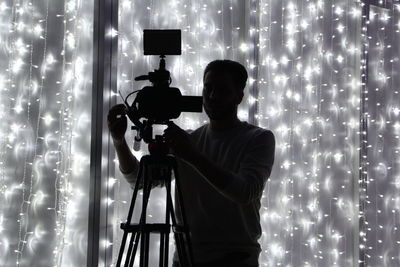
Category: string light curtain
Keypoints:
(303, 59)
(309, 80)
(45, 88)
(380, 237)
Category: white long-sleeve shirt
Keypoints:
(226, 221)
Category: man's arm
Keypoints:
(246, 185)
(127, 161)
(117, 123)
(241, 187)
(128, 164)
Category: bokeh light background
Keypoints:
(333, 196)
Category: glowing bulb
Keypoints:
(243, 47)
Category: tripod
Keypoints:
(156, 166)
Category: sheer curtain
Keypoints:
(45, 87)
(382, 105)
(309, 95)
(337, 153)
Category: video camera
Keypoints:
(159, 103)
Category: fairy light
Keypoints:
(43, 126)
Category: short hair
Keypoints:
(237, 71)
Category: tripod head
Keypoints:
(159, 147)
(160, 77)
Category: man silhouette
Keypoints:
(223, 166)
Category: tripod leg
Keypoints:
(146, 248)
(130, 259)
(132, 255)
(164, 248)
(144, 242)
(186, 235)
(129, 218)
(162, 240)
(177, 236)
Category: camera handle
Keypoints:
(157, 77)
(151, 165)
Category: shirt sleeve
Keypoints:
(248, 183)
(131, 178)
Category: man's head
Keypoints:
(224, 82)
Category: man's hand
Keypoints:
(180, 142)
(117, 122)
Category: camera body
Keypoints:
(168, 104)
(159, 103)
